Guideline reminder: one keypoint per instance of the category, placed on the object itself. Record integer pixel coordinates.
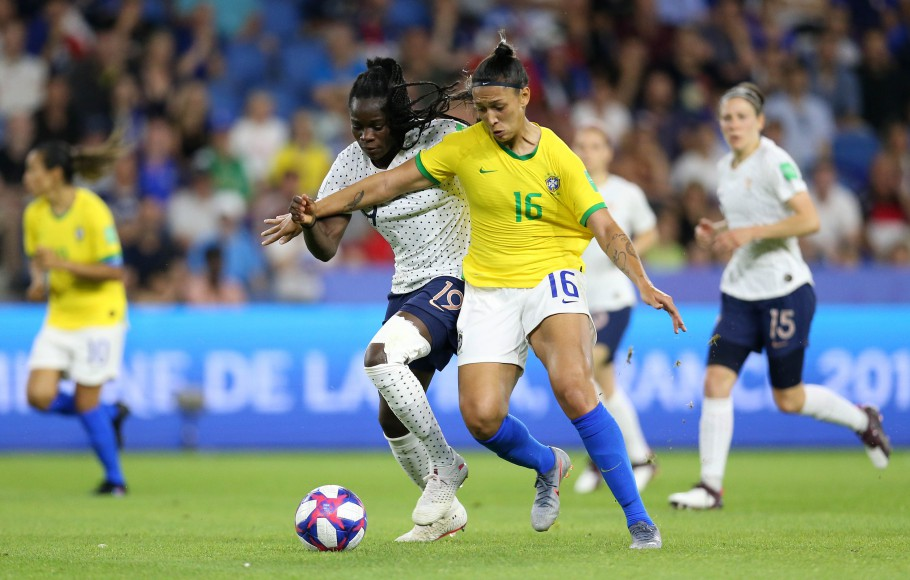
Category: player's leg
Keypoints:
(411, 334)
(48, 358)
(563, 342)
(788, 320)
(97, 356)
(736, 334)
(619, 405)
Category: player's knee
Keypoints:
(482, 423)
(719, 381)
(374, 355)
(39, 401)
(788, 401)
(578, 399)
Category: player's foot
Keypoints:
(644, 472)
(546, 505)
(439, 494)
(122, 413)
(454, 521)
(645, 536)
(589, 479)
(878, 447)
(112, 489)
(700, 497)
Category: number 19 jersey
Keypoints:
(528, 212)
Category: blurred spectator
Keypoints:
(18, 140)
(885, 87)
(22, 76)
(150, 257)
(309, 159)
(896, 144)
(240, 258)
(834, 82)
(698, 162)
(190, 111)
(121, 192)
(602, 109)
(230, 23)
(728, 35)
(210, 284)
(839, 237)
(682, 12)
(93, 77)
(62, 33)
(807, 122)
(194, 214)
(345, 61)
(158, 171)
(258, 136)
(57, 119)
(888, 219)
(667, 254)
(641, 160)
(227, 170)
(659, 112)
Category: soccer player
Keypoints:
(611, 298)
(76, 263)
(418, 334)
(767, 296)
(533, 211)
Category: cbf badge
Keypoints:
(80, 233)
(553, 185)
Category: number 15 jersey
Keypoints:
(528, 212)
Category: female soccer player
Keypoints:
(76, 261)
(533, 211)
(611, 298)
(418, 334)
(767, 297)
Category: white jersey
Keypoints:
(608, 288)
(428, 229)
(755, 193)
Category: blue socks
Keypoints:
(605, 445)
(97, 424)
(63, 404)
(514, 443)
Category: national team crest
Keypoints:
(553, 184)
(80, 233)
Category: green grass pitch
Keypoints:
(812, 514)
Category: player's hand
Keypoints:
(303, 210)
(731, 239)
(283, 230)
(705, 232)
(47, 259)
(662, 301)
(36, 292)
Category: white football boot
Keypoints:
(439, 494)
(700, 497)
(454, 521)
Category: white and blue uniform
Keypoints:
(428, 231)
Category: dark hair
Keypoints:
(384, 80)
(88, 162)
(501, 69)
(748, 91)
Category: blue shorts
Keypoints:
(437, 305)
(779, 326)
(611, 326)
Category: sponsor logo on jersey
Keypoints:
(482, 170)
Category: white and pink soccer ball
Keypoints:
(331, 519)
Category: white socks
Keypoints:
(405, 396)
(626, 417)
(826, 405)
(412, 456)
(715, 432)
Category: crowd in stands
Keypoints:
(230, 107)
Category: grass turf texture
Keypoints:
(788, 514)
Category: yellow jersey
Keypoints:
(528, 212)
(85, 234)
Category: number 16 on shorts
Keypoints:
(563, 286)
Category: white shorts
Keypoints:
(494, 323)
(88, 356)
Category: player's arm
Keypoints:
(376, 189)
(803, 221)
(322, 238)
(37, 288)
(46, 260)
(620, 249)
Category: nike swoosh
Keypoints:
(482, 170)
(564, 301)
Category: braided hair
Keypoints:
(384, 80)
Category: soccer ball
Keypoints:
(331, 519)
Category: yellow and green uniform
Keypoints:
(528, 212)
(85, 234)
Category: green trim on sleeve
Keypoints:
(423, 170)
(595, 207)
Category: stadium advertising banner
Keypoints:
(292, 377)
